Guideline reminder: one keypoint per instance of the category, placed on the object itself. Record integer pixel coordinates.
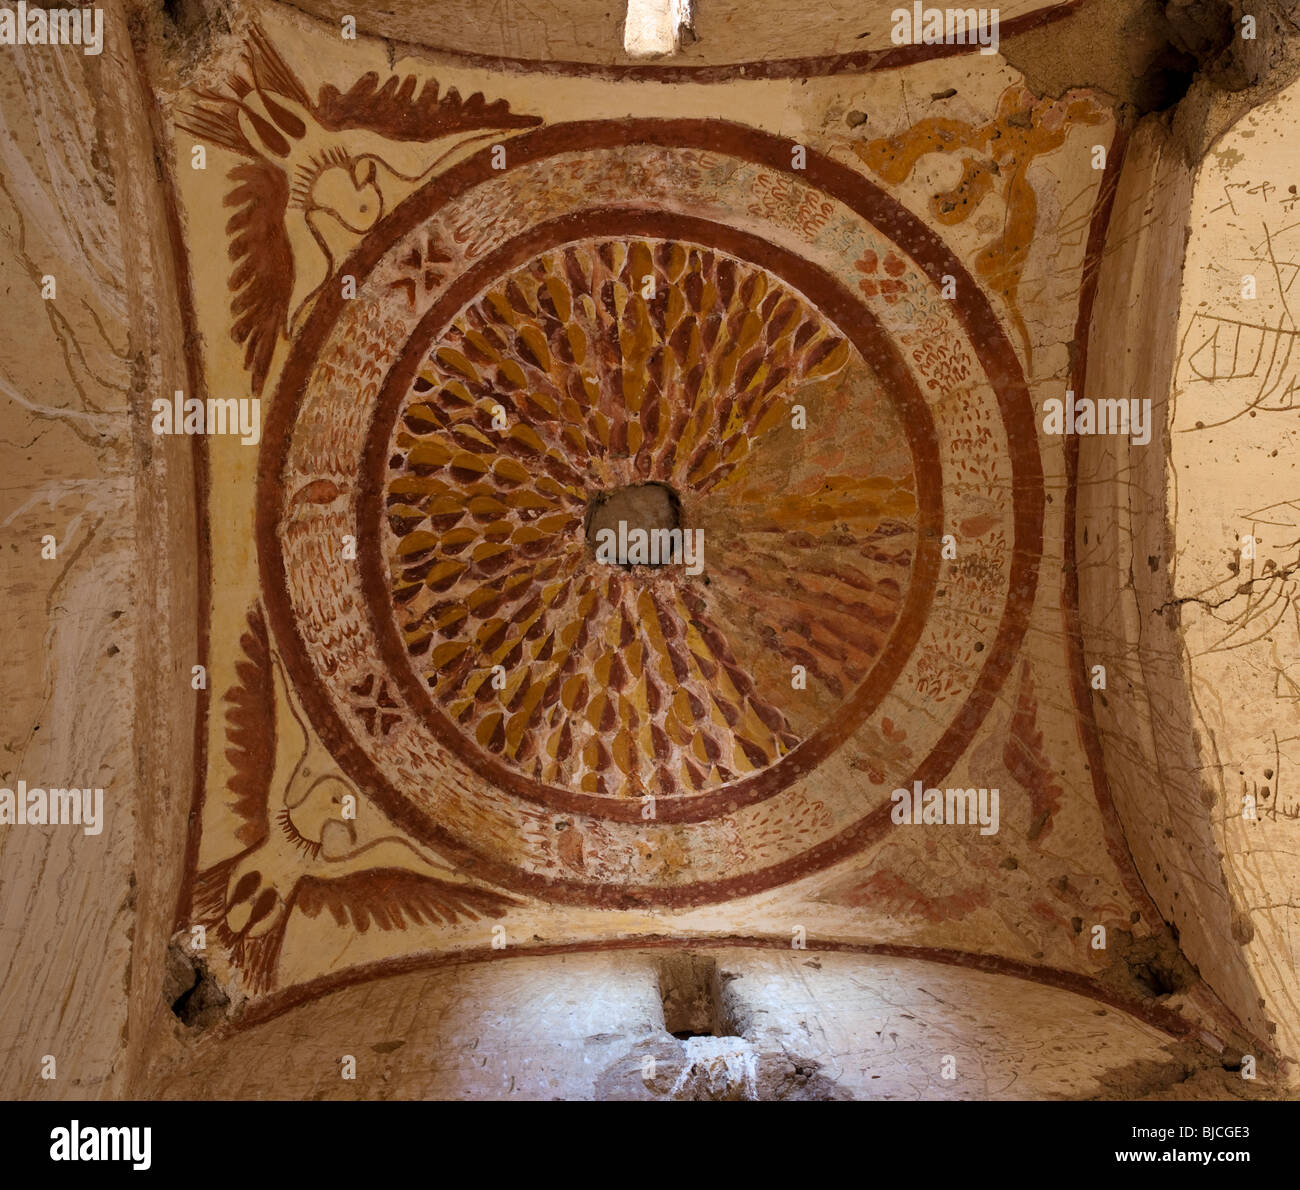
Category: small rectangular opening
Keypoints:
(654, 27)
(690, 987)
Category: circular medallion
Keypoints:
(614, 565)
(648, 449)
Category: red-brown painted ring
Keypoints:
(991, 345)
(824, 294)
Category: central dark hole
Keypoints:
(646, 506)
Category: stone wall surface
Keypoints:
(99, 524)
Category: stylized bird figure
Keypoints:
(309, 160)
(306, 855)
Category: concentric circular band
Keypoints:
(928, 397)
(719, 721)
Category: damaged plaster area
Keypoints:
(197, 999)
(1199, 66)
